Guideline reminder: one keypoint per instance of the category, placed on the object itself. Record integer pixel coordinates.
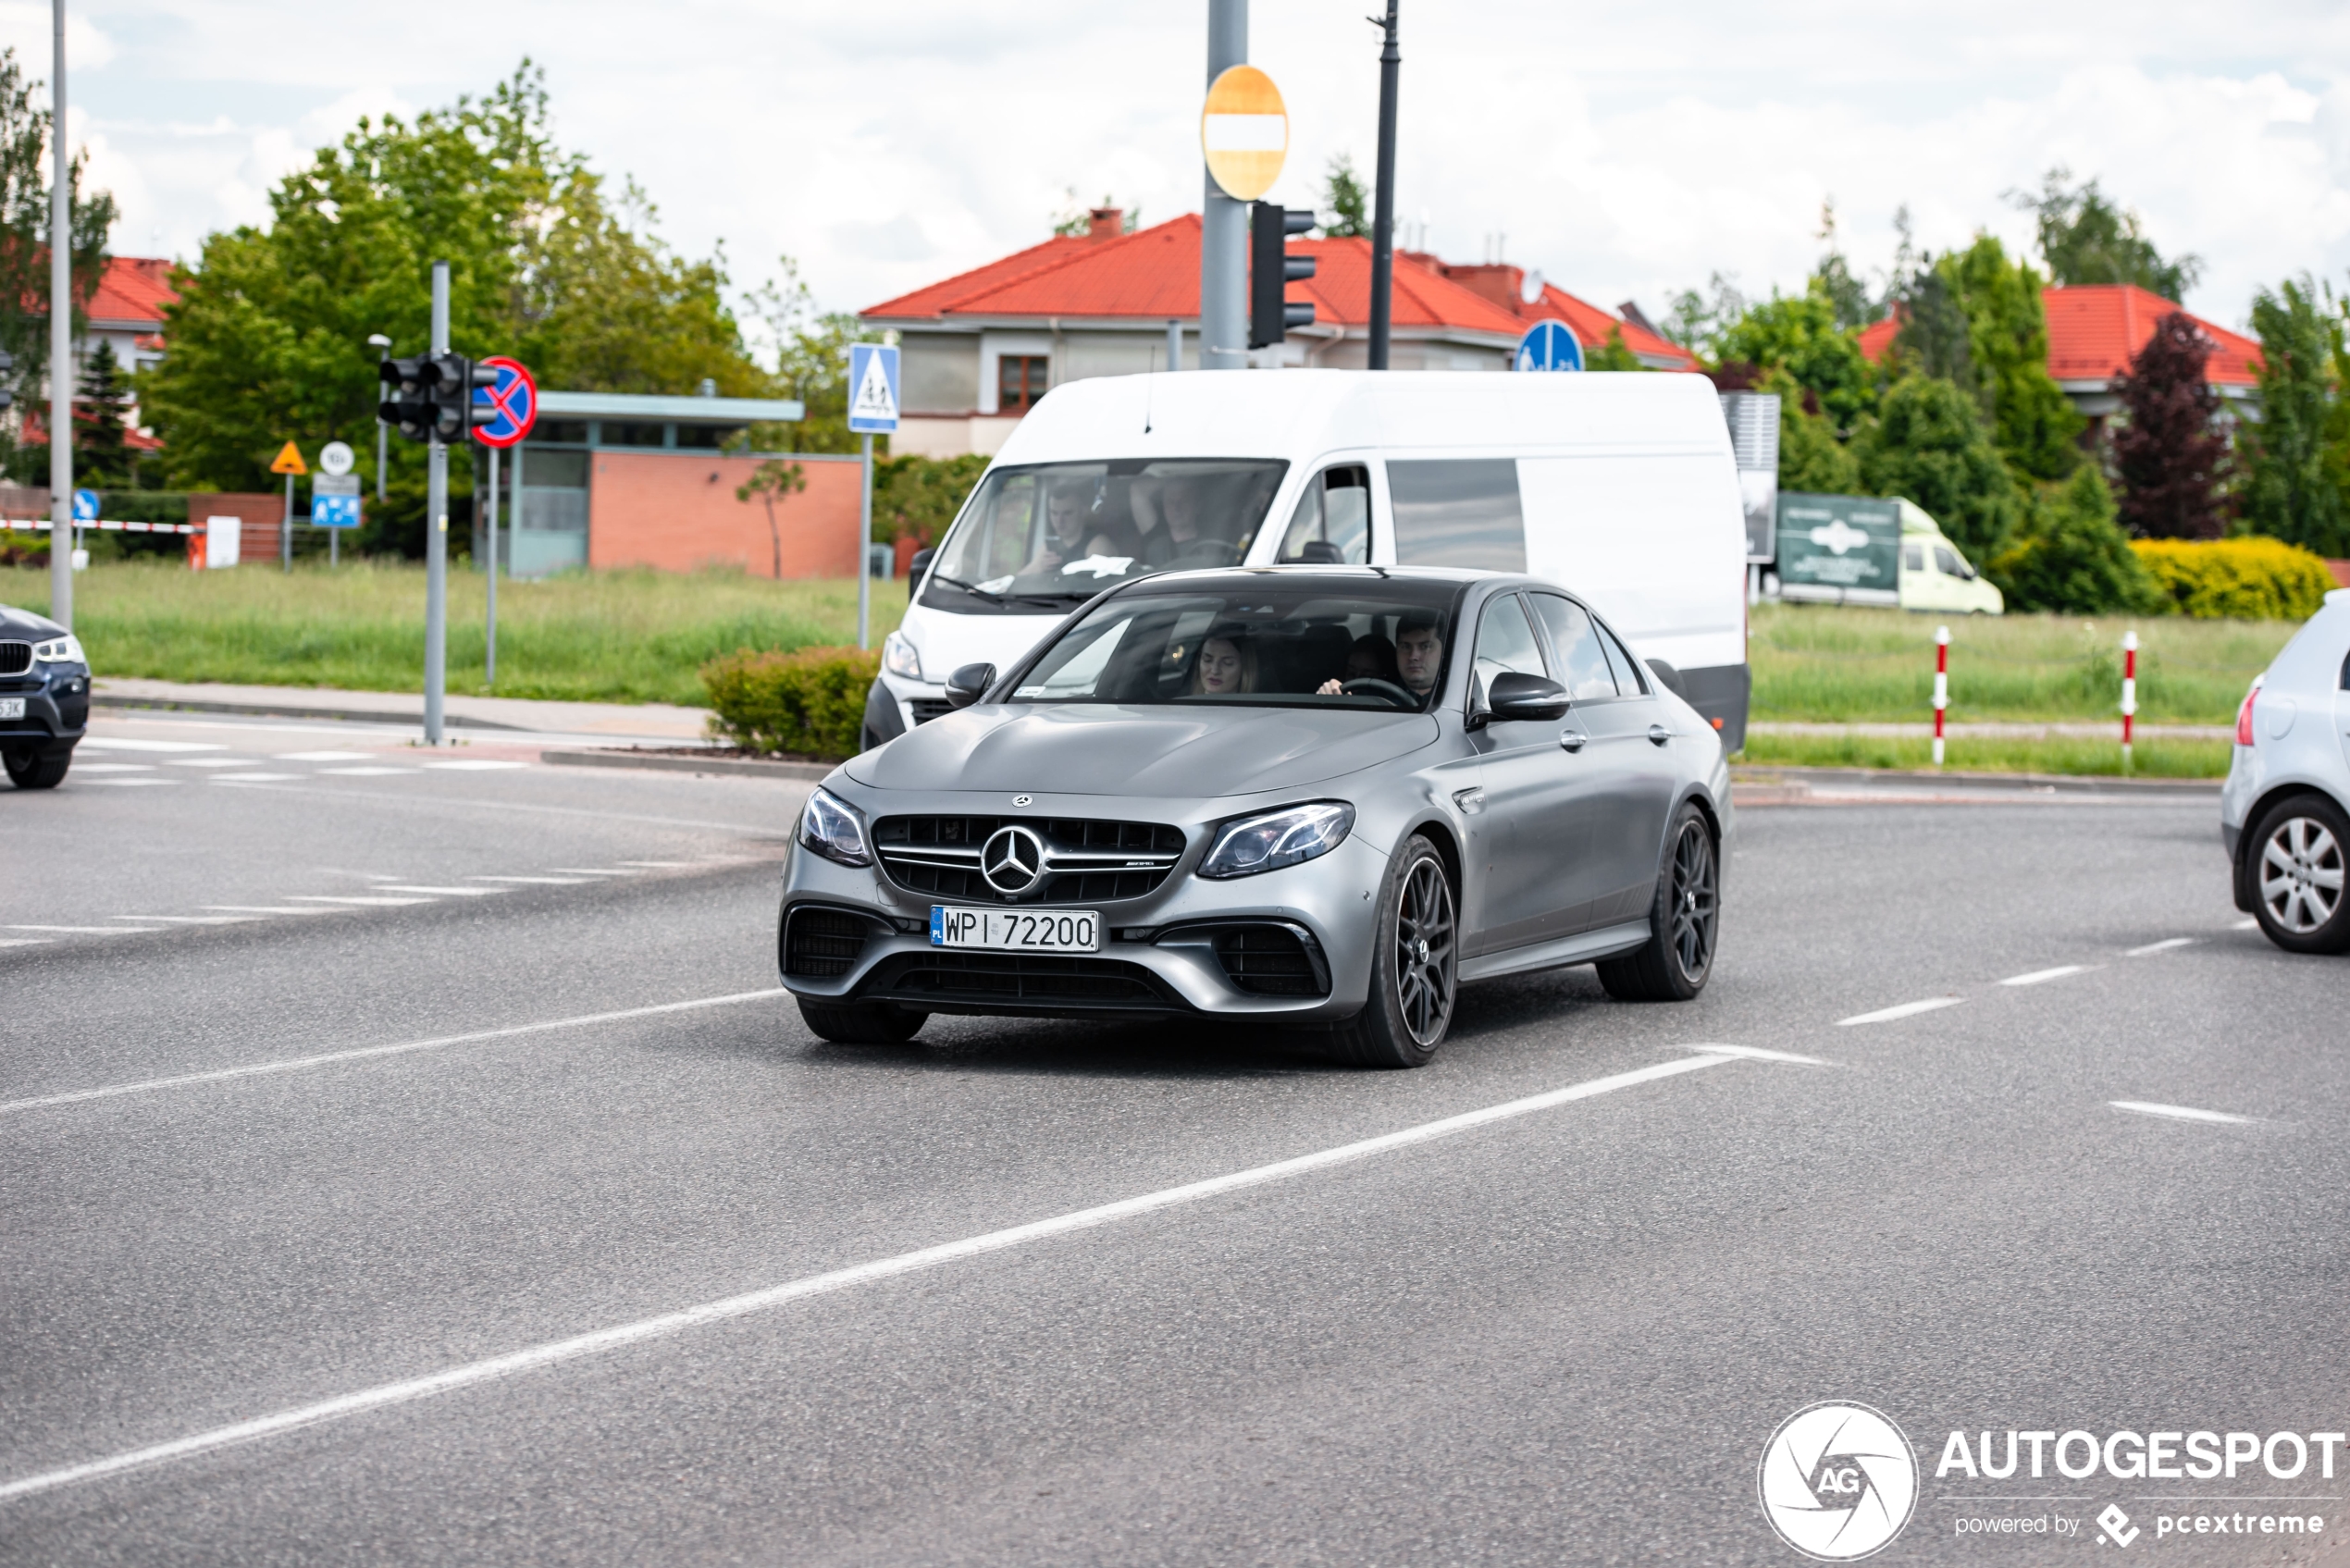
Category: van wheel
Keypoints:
(2298, 859)
(28, 768)
(862, 1023)
(1410, 1008)
(1683, 919)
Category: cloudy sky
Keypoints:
(1629, 152)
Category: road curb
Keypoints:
(294, 711)
(798, 772)
(1762, 786)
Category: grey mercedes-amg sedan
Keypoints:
(1308, 796)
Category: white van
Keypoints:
(1935, 575)
(1618, 486)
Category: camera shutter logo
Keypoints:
(1837, 1481)
(1012, 860)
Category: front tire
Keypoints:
(1683, 921)
(2298, 858)
(1413, 979)
(29, 769)
(862, 1023)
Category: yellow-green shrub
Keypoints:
(811, 701)
(2251, 578)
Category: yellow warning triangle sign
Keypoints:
(290, 461)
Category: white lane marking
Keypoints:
(191, 920)
(1906, 1009)
(594, 871)
(253, 778)
(114, 768)
(2040, 977)
(215, 761)
(87, 930)
(95, 743)
(476, 765)
(322, 757)
(443, 803)
(2176, 1113)
(2162, 946)
(366, 773)
(326, 1058)
(449, 892)
(25, 940)
(268, 909)
(544, 882)
(2245, 925)
(128, 783)
(839, 1279)
(366, 902)
(661, 865)
(1755, 1054)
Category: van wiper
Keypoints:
(972, 589)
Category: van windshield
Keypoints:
(1042, 538)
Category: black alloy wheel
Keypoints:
(1414, 972)
(1684, 921)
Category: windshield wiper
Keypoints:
(972, 589)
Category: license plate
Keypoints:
(1008, 930)
(11, 706)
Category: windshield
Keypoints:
(1049, 537)
(1359, 641)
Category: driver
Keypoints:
(1179, 535)
(1417, 656)
(1069, 533)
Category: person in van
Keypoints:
(1181, 539)
(1072, 533)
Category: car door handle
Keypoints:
(1659, 734)
(1573, 740)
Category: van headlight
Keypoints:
(1281, 838)
(66, 649)
(902, 658)
(836, 830)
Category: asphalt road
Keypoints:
(1560, 1334)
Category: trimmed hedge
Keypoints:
(811, 701)
(2252, 578)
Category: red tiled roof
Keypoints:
(135, 289)
(2095, 329)
(1153, 275)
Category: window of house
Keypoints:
(1020, 380)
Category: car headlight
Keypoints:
(902, 658)
(66, 649)
(836, 830)
(1280, 838)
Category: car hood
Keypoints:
(1084, 748)
(25, 626)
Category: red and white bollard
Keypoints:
(2129, 693)
(1941, 686)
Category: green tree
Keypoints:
(1812, 460)
(1855, 307)
(1076, 219)
(1613, 354)
(1345, 206)
(810, 349)
(916, 498)
(2072, 558)
(2298, 452)
(268, 338)
(24, 250)
(102, 453)
(1928, 442)
(1798, 334)
(2086, 238)
(1935, 338)
(771, 481)
(2036, 427)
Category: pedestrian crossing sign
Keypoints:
(872, 373)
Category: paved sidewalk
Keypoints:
(621, 721)
(2095, 729)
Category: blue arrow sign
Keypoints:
(85, 506)
(1547, 345)
(872, 382)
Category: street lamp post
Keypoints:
(61, 367)
(382, 345)
(1383, 198)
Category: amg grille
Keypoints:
(1014, 980)
(823, 944)
(1271, 960)
(15, 658)
(928, 708)
(1085, 862)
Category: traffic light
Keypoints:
(1270, 271)
(430, 398)
(7, 367)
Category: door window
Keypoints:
(1627, 674)
(1582, 660)
(1913, 558)
(1457, 512)
(1946, 561)
(1505, 642)
(1332, 523)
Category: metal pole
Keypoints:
(436, 531)
(490, 656)
(1223, 249)
(334, 543)
(285, 530)
(865, 553)
(1174, 345)
(61, 376)
(1383, 210)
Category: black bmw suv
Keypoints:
(44, 697)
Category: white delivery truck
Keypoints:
(1620, 487)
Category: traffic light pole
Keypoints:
(1383, 201)
(60, 342)
(1224, 251)
(437, 532)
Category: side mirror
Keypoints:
(1517, 695)
(1668, 677)
(919, 564)
(968, 683)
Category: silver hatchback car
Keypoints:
(2284, 813)
(1305, 796)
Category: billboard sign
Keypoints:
(1844, 549)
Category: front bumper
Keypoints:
(57, 707)
(1185, 948)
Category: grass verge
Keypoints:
(2162, 758)
(612, 637)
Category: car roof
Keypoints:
(1336, 575)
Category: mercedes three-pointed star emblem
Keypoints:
(1011, 860)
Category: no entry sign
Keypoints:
(512, 401)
